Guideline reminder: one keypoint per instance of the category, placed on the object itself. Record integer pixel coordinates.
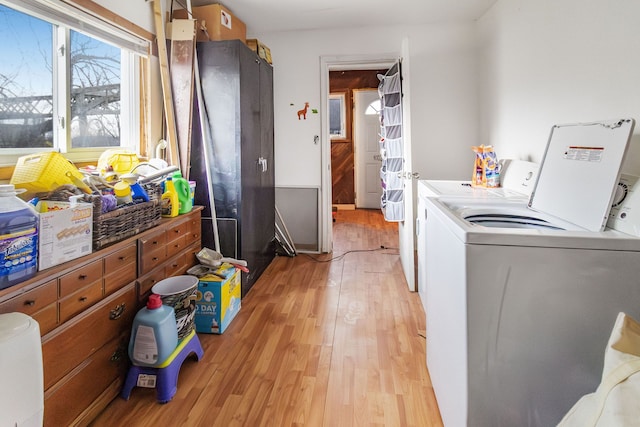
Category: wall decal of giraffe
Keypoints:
(303, 112)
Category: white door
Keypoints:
(406, 228)
(367, 151)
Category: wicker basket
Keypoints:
(127, 220)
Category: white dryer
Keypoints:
(521, 297)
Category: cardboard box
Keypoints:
(218, 300)
(64, 233)
(219, 22)
(260, 48)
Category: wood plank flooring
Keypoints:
(336, 341)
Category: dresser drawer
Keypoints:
(195, 228)
(65, 401)
(152, 251)
(153, 242)
(120, 268)
(176, 245)
(146, 282)
(117, 279)
(33, 300)
(80, 300)
(125, 257)
(68, 346)
(150, 260)
(178, 231)
(177, 266)
(47, 318)
(83, 276)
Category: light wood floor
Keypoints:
(337, 343)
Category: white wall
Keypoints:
(548, 62)
(296, 58)
(443, 95)
(444, 100)
(140, 12)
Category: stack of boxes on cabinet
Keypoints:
(216, 22)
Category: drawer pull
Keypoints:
(155, 258)
(118, 355)
(122, 258)
(83, 299)
(30, 303)
(82, 276)
(117, 312)
(155, 242)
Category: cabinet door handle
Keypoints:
(263, 163)
(117, 312)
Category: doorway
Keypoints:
(348, 137)
(405, 228)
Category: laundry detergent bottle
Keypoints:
(170, 204)
(18, 238)
(154, 335)
(184, 193)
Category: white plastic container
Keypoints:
(154, 335)
(18, 238)
(22, 394)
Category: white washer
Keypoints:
(517, 178)
(521, 302)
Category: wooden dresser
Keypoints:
(85, 309)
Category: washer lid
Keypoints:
(580, 171)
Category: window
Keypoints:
(65, 84)
(337, 116)
(373, 108)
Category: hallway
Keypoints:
(321, 340)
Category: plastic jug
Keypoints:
(184, 193)
(154, 335)
(18, 238)
(170, 204)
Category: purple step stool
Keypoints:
(163, 378)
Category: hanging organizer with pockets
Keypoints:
(390, 92)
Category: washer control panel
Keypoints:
(625, 210)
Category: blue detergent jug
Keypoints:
(18, 238)
(154, 335)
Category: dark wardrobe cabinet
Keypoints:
(234, 157)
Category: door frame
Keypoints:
(337, 63)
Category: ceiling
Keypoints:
(263, 16)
